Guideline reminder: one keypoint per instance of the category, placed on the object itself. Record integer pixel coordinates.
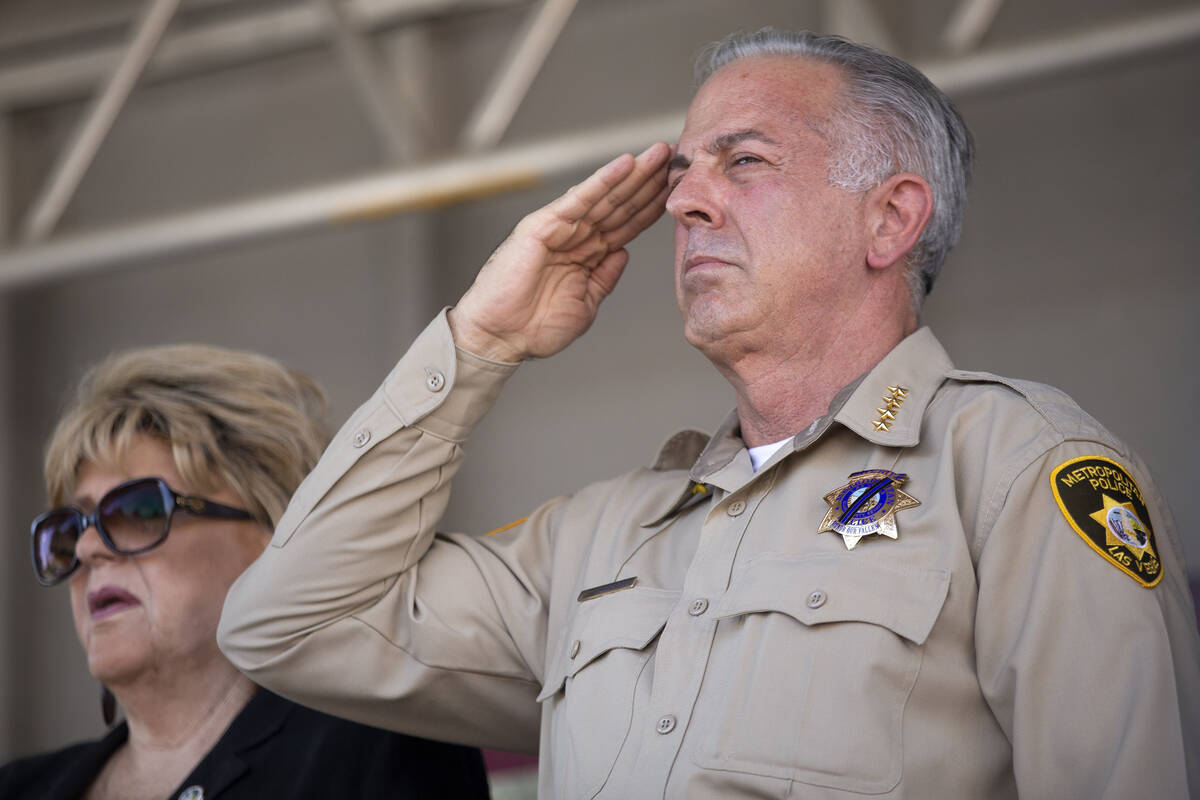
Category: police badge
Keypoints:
(866, 505)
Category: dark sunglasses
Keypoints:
(131, 518)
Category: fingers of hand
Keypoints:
(641, 219)
(575, 204)
(610, 186)
(604, 276)
(640, 185)
(645, 194)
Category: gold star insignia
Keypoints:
(1131, 519)
(891, 404)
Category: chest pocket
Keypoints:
(602, 665)
(812, 666)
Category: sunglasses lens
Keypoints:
(54, 539)
(135, 516)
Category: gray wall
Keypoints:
(1074, 269)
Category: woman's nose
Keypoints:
(90, 547)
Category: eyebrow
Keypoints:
(725, 141)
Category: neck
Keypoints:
(186, 715)
(785, 386)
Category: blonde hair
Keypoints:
(231, 419)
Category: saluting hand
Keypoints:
(540, 289)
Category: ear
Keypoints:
(898, 210)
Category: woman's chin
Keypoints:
(115, 666)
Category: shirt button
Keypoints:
(574, 649)
(735, 508)
(816, 598)
(698, 607)
(362, 437)
(434, 380)
(666, 723)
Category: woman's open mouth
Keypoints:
(109, 600)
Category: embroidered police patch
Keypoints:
(1105, 507)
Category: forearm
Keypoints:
(361, 521)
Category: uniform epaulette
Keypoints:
(1055, 406)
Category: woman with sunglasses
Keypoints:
(166, 477)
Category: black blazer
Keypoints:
(276, 749)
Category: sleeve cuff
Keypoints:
(443, 389)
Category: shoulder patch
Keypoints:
(1103, 503)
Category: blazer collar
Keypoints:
(262, 718)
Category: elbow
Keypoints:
(242, 635)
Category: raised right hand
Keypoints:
(541, 288)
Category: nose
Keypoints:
(696, 198)
(90, 548)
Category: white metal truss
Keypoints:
(235, 38)
(90, 134)
(463, 176)
(491, 118)
(969, 24)
(369, 79)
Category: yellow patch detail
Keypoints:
(509, 526)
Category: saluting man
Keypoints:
(881, 576)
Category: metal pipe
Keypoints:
(78, 155)
(367, 198)
(968, 24)
(462, 178)
(6, 176)
(984, 70)
(238, 38)
(492, 116)
(858, 20)
(363, 68)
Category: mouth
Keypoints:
(109, 600)
(702, 261)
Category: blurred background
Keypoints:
(314, 179)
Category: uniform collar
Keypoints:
(888, 405)
(884, 406)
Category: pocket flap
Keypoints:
(817, 589)
(628, 619)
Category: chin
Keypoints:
(115, 662)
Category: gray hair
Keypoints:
(893, 119)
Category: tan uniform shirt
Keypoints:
(988, 651)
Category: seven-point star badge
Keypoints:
(866, 505)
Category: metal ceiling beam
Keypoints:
(77, 156)
(1011, 64)
(232, 40)
(458, 179)
(969, 24)
(366, 75)
(500, 101)
(6, 177)
(366, 198)
(858, 20)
